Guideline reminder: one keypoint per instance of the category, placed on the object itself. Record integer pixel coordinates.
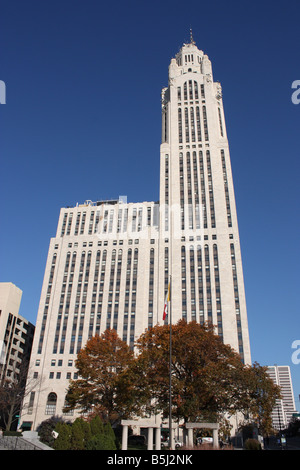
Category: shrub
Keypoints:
(252, 444)
(77, 436)
(12, 433)
(101, 442)
(45, 430)
(63, 441)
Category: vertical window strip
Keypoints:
(199, 135)
(180, 125)
(111, 289)
(192, 284)
(191, 90)
(133, 298)
(100, 293)
(186, 121)
(237, 302)
(125, 220)
(151, 289)
(202, 92)
(189, 186)
(97, 221)
(179, 93)
(117, 290)
(220, 123)
(185, 91)
(77, 302)
(91, 224)
(205, 123)
(166, 269)
(84, 301)
(63, 227)
(148, 216)
(127, 295)
(61, 303)
(140, 219)
(200, 285)
(47, 301)
(227, 199)
(133, 228)
(183, 283)
(166, 272)
(165, 125)
(82, 223)
(77, 223)
(104, 227)
(208, 284)
(67, 304)
(196, 191)
(166, 193)
(192, 124)
(203, 191)
(210, 190)
(196, 90)
(94, 294)
(119, 226)
(69, 223)
(111, 220)
(181, 176)
(218, 291)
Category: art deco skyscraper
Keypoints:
(110, 261)
(196, 186)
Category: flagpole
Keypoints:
(170, 373)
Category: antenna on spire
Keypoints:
(191, 37)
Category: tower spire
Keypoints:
(191, 37)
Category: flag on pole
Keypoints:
(166, 302)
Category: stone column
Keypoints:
(215, 439)
(190, 437)
(150, 439)
(124, 436)
(157, 439)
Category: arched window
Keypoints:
(51, 404)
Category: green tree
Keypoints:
(102, 435)
(101, 442)
(77, 436)
(96, 426)
(87, 432)
(63, 441)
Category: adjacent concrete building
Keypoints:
(110, 262)
(285, 408)
(16, 338)
(16, 333)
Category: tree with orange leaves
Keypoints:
(103, 387)
(208, 376)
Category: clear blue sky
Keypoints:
(82, 121)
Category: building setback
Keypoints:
(110, 262)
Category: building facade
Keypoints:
(284, 408)
(16, 333)
(16, 338)
(110, 262)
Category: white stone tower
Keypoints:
(110, 261)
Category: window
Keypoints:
(51, 404)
